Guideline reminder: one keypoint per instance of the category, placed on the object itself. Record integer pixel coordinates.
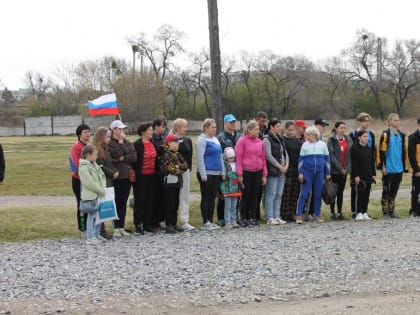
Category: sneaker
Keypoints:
(387, 216)
(228, 226)
(272, 222)
(235, 224)
(299, 220)
(413, 214)
(318, 220)
(222, 222)
(179, 229)
(206, 226)
(138, 231)
(124, 233)
(366, 217)
(309, 217)
(83, 235)
(333, 216)
(340, 217)
(93, 241)
(170, 230)
(188, 227)
(162, 225)
(101, 238)
(244, 223)
(393, 216)
(253, 223)
(117, 233)
(280, 221)
(359, 217)
(214, 226)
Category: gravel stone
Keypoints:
(222, 267)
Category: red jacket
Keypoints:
(75, 153)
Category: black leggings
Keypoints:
(122, 189)
(340, 180)
(250, 194)
(208, 191)
(81, 218)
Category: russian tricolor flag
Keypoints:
(104, 105)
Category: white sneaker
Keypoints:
(117, 233)
(272, 222)
(83, 235)
(93, 241)
(162, 225)
(188, 227)
(214, 226)
(228, 226)
(101, 238)
(235, 224)
(359, 217)
(280, 221)
(366, 217)
(206, 226)
(124, 233)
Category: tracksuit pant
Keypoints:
(313, 179)
(390, 186)
(81, 218)
(415, 191)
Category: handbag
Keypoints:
(131, 175)
(172, 181)
(329, 191)
(107, 209)
(88, 206)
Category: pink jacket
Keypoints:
(250, 155)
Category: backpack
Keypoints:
(329, 191)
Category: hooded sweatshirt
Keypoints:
(209, 156)
(92, 179)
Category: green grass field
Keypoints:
(39, 166)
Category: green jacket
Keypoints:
(92, 179)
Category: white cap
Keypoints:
(118, 124)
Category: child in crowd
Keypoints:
(93, 185)
(174, 166)
(230, 188)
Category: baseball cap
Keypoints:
(118, 124)
(229, 118)
(170, 138)
(301, 123)
(321, 122)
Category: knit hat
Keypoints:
(229, 153)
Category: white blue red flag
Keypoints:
(104, 105)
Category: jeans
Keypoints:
(231, 204)
(273, 195)
(92, 229)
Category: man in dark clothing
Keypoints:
(159, 126)
(414, 158)
(261, 118)
(2, 164)
(227, 138)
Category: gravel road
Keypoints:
(254, 271)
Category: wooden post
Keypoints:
(216, 69)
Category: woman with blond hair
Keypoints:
(179, 129)
(100, 141)
(314, 166)
(251, 168)
(210, 169)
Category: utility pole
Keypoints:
(216, 68)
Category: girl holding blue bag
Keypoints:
(93, 185)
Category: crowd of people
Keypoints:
(282, 168)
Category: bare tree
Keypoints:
(401, 73)
(364, 62)
(38, 83)
(159, 51)
(201, 75)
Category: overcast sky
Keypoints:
(41, 35)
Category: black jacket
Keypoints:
(362, 164)
(414, 151)
(138, 164)
(186, 150)
(2, 164)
